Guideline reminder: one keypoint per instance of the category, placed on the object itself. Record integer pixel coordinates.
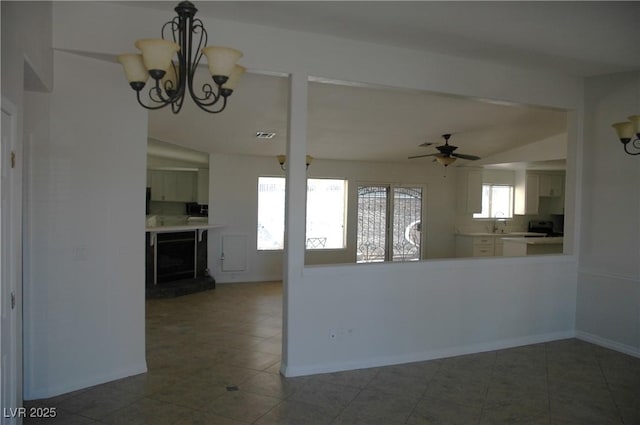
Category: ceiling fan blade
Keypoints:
(463, 156)
(422, 156)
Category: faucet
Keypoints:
(496, 222)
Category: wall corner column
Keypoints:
(295, 206)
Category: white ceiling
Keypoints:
(347, 122)
(355, 123)
(582, 38)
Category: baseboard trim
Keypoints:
(68, 387)
(292, 371)
(608, 343)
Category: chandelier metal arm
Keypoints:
(191, 29)
(170, 85)
(150, 107)
(633, 143)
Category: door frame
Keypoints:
(10, 264)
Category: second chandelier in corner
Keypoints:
(172, 80)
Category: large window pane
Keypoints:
(325, 213)
(497, 202)
(271, 191)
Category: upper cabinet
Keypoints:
(203, 186)
(531, 186)
(550, 185)
(175, 186)
(469, 190)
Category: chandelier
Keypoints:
(629, 134)
(185, 37)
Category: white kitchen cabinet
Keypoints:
(550, 185)
(469, 190)
(475, 246)
(527, 197)
(498, 246)
(175, 186)
(203, 186)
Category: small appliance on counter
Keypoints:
(195, 209)
(543, 226)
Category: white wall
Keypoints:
(439, 202)
(234, 203)
(608, 309)
(27, 63)
(387, 314)
(85, 292)
(285, 51)
(27, 56)
(531, 302)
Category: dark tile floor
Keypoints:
(213, 359)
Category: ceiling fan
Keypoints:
(446, 153)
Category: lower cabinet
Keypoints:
(475, 246)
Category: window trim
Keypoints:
(344, 218)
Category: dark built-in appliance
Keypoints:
(195, 209)
(175, 256)
(543, 226)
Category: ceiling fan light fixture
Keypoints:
(446, 160)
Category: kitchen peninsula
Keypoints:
(518, 247)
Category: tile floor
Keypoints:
(213, 359)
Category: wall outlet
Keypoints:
(333, 334)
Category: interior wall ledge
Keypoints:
(609, 275)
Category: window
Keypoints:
(497, 201)
(271, 192)
(326, 212)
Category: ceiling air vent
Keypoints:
(265, 134)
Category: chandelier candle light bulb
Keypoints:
(156, 55)
(172, 79)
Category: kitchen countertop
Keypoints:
(198, 228)
(502, 235)
(535, 241)
(182, 228)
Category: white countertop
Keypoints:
(501, 235)
(182, 228)
(198, 228)
(535, 241)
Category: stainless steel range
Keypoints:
(543, 226)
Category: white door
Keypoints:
(10, 268)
